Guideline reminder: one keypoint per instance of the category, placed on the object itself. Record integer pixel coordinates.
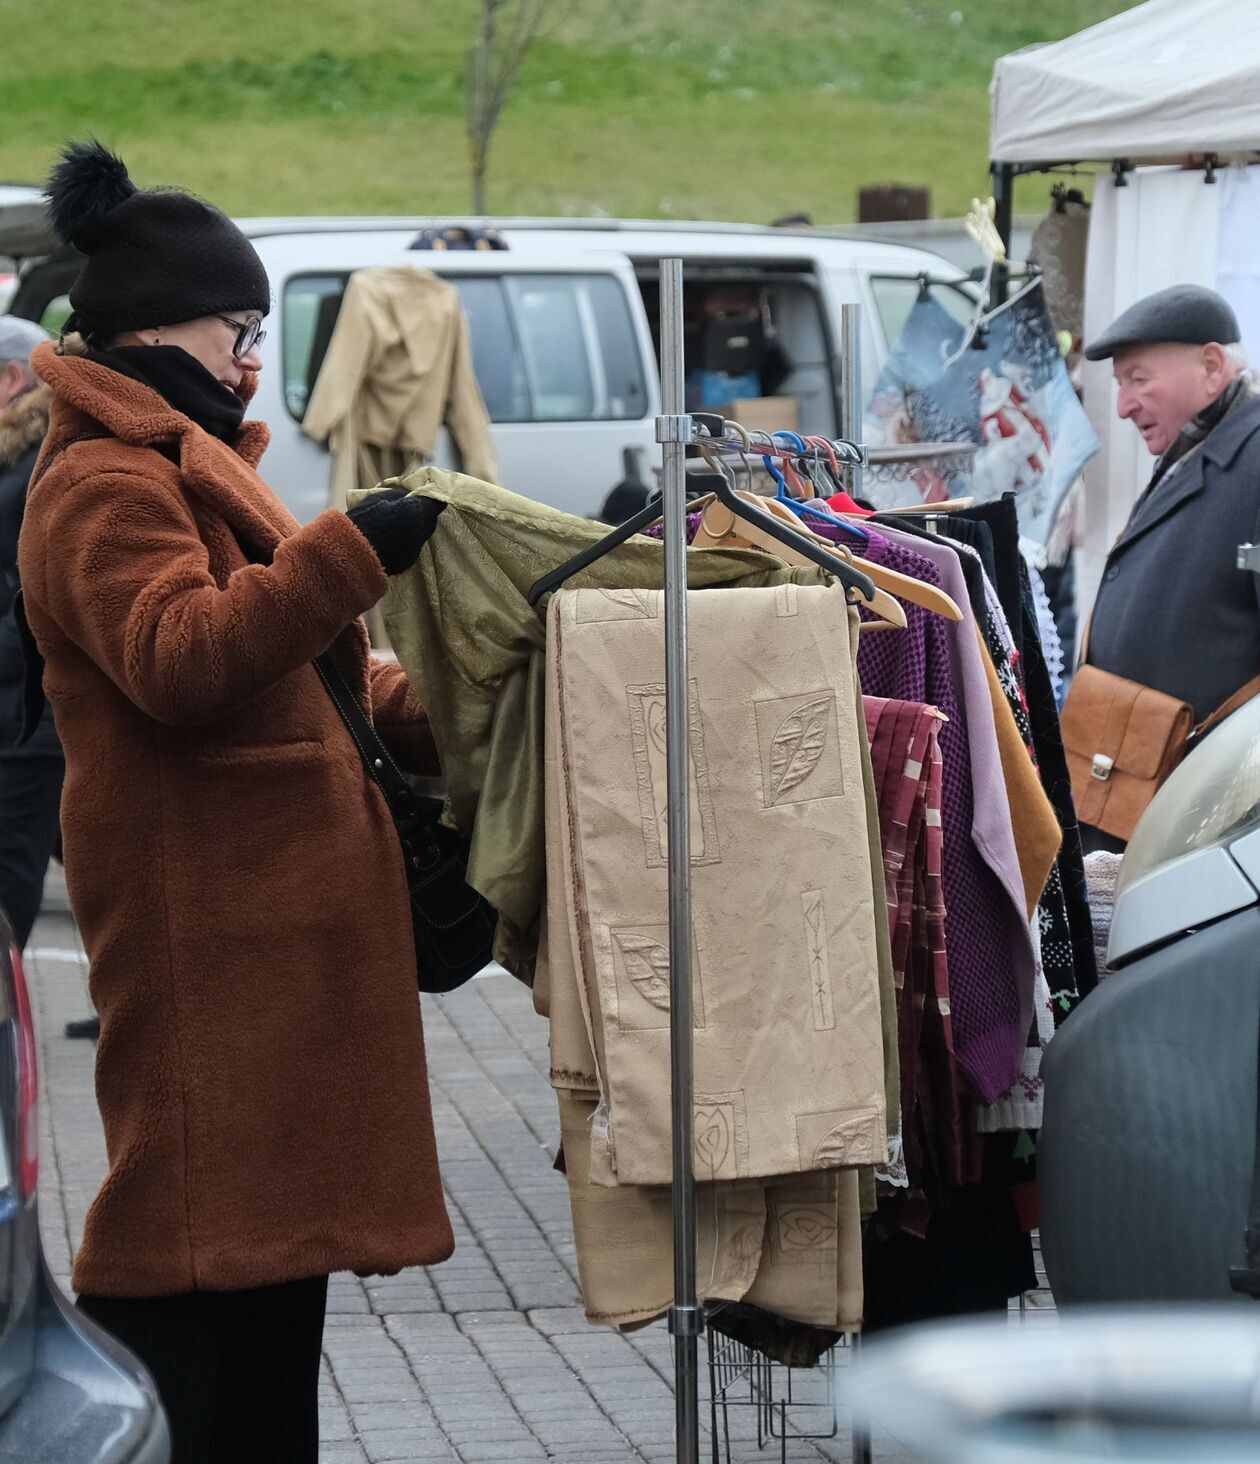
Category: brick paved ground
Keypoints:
(487, 1358)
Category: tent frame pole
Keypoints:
(1003, 176)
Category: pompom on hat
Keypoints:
(153, 256)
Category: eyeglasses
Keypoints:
(249, 333)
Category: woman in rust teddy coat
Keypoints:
(236, 877)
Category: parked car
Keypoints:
(69, 1394)
(562, 323)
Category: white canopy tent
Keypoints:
(1164, 95)
(1160, 81)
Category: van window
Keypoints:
(546, 348)
(895, 296)
(754, 335)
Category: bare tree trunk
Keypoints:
(480, 157)
(494, 61)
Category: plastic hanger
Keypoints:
(814, 550)
(770, 524)
(893, 581)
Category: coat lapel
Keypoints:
(1173, 493)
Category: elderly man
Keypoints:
(1174, 612)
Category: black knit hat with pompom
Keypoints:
(154, 257)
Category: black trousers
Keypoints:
(237, 1371)
(30, 806)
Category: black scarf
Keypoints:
(181, 380)
(1198, 427)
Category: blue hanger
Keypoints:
(803, 508)
(798, 506)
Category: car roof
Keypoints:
(25, 232)
(646, 238)
(24, 226)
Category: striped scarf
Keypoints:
(1197, 428)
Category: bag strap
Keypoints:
(376, 757)
(58, 450)
(1240, 698)
(380, 765)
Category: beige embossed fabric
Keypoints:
(791, 1245)
(789, 1073)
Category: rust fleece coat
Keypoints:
(235, 875)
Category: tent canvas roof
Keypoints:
(1160, 81)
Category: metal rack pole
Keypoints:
(851, 381)
(851, 378)
(674, 430)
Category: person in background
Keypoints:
(236, 877)
(1174, 612)
(30, 773)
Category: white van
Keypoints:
(562, 323)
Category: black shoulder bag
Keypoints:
(454, 925)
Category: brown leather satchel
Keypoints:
(1123, 740)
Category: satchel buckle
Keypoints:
(1102, 767)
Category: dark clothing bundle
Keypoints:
(30, 775)
(22, 427)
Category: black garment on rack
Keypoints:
(1043, 714)
(976, 536)
(975, 1256)
(1002, 525)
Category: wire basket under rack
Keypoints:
(787, 1402)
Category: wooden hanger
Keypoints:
(719, 528)
(904, 586)
(945, 506)
(928, 597)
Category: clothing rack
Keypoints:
(676, 429)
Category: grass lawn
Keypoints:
(660, 108)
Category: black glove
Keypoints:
(397, 524)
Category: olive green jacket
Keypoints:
(473, 649)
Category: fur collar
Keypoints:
(87, 393)
(23, 424)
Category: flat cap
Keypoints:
(1188, 315)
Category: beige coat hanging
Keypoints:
(398, 366)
